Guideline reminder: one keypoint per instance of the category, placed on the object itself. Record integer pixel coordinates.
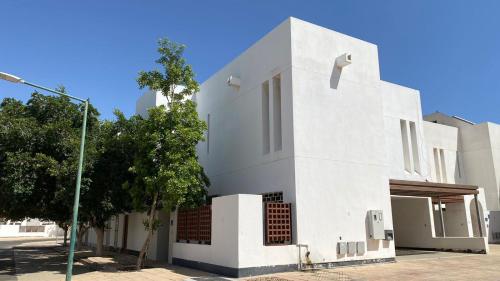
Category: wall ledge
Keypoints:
(261, 270)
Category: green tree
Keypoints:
(106, 196)
(166, 168)
(39, 147)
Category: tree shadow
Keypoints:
(35, 259)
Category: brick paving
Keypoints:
(424, 265)
(44, 260)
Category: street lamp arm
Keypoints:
(52, 91)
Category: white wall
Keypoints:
(149, 100)
(12, 230)
(235, 162)
(414, 226)
(340, 164)
(158, 247)
(445, 138)
(479, 161)
(401, 103)
(237, 237)
(457, 223)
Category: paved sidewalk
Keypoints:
(416, 266)
(44, 260)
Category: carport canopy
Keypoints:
(431, 189)
(439, 192)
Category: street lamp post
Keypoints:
(15, 79)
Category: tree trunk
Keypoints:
(81, 231)
(99, 248)
(65, 239)
(152, 214)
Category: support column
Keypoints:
(479, 218)
(441, 216)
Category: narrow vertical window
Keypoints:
(436, 164)
(266, 138)
(414, 147)
(208, 133)
(443, 166)
(459, 169)
(277, 112)
(406, 147)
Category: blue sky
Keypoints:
(449, 50)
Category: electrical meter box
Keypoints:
(351, 248)
(341, 248)
(376, 225)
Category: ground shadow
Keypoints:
(30, 259)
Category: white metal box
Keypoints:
(341, 248)
(360, 248)
(351, 248)
(376, 224)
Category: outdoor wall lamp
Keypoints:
(343, 60)
(234, 81)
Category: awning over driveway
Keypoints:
(439, 192)
(431, 189)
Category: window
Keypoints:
(208, 133)
(409, 140)
(437, 164)
(277, 112)
(406, 146)
(266, 138)
(440, 165)
(273, 197)
(414, 147)
(459, 169)
(444, 178)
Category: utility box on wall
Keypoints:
(376, 224)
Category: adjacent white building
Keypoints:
(303, 121)
(29, 228)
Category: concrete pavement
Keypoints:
(44, 260)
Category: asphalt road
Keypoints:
(7, 251)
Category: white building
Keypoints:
(29, 228)
(302, 117)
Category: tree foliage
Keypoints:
(166, 167)
(39, 151)
(38, 156)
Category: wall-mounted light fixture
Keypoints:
(234, 81)
(343, 60)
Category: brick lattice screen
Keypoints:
(181, 225)
(278, 223)
(205, 223)
(195, 225)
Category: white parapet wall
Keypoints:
(237, 247)
(51, 230)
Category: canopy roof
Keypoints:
(445, 191)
